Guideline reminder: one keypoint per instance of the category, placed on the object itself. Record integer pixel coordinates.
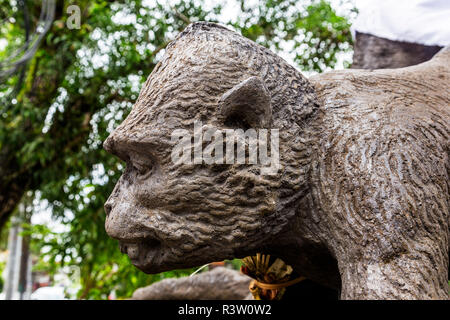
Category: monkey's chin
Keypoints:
(151, 256)
(152, 262)
(153, 268)
(144, 254)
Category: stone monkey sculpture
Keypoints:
(360, 202)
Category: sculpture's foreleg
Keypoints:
(410, 275)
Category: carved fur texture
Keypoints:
(360, 203)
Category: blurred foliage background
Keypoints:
(56, 110)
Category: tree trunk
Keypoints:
(10, 195)
(24, 257)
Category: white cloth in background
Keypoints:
(420, 21)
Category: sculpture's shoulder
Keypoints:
(384, 146)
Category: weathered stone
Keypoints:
(360, 204)
(219, 284)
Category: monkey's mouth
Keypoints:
(141, 251)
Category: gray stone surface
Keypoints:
(360, 204)
(218, 284)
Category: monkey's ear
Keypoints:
(247, 105)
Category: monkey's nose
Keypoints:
(108, 208)
(108, 144)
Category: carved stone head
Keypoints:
(170, 215)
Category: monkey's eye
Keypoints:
(143, 170)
